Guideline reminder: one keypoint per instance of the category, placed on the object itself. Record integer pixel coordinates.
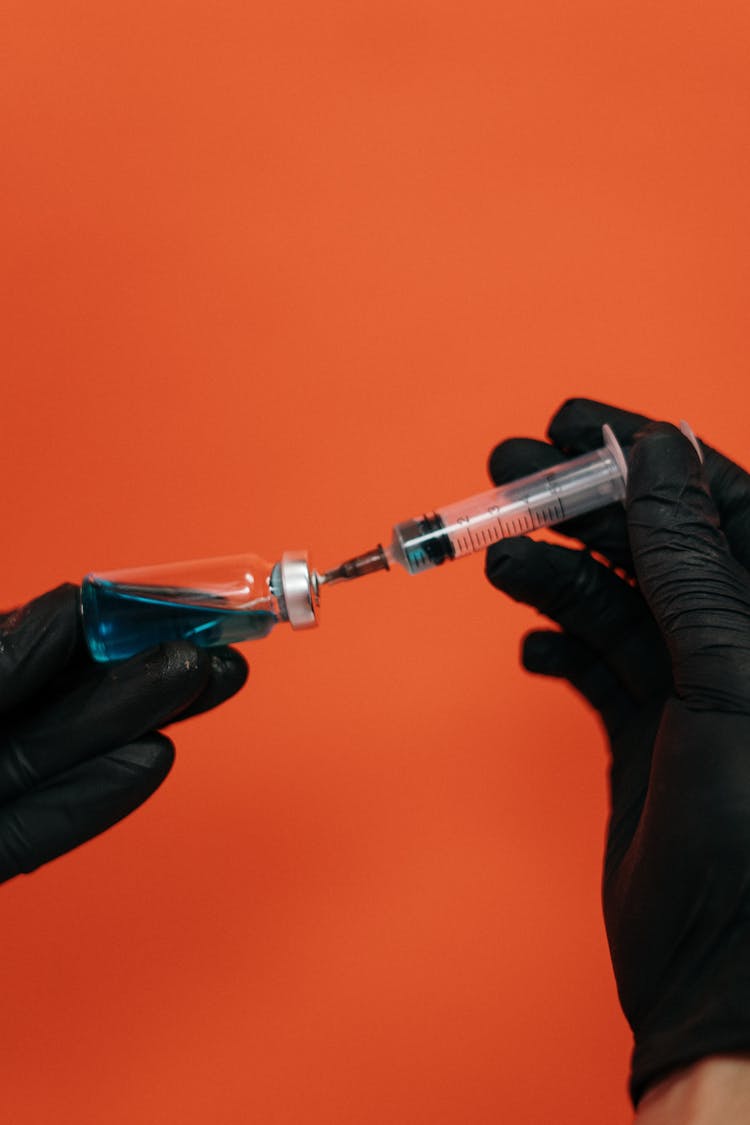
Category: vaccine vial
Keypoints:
(208, 601)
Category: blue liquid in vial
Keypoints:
(119, 623)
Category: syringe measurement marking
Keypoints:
(475, 538)
(551, 514)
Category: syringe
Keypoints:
(541, 499)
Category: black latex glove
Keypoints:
(661, 649)
(79, 748)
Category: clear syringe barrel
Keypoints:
(541, 499)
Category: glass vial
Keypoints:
(207, 601)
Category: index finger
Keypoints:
(576, 427)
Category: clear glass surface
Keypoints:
(209, 602)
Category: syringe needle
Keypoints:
(357, 567)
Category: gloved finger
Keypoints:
(228, 672)
(577, 428)
(698, 592)
(80, 804)
(564, 657)
(730, 488)
(590, 603)
(110, 707)
(604, 531)
(37, 641)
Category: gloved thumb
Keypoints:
(697, 591)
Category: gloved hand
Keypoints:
(79, 748)
(659, 643)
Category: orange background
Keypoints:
(276, 276)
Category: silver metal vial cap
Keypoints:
(299, 590)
